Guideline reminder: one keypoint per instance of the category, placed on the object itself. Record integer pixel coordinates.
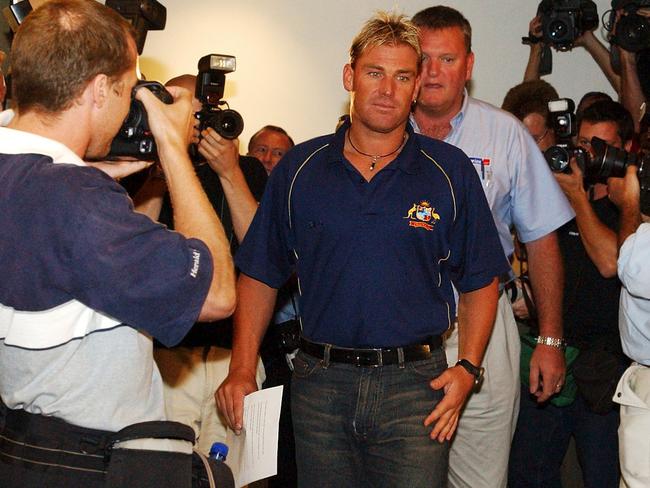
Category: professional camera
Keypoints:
(134, 137)
(602, 161)
(607, 161)
(632, 29)
(210, 84)
(563, 21)
(563, 121)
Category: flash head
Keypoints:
(561, 105)
(220, 62)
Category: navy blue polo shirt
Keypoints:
(375, 260)
(71, 239)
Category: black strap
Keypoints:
(155, 430)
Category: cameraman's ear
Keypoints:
(99, 86)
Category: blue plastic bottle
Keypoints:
(218, 451)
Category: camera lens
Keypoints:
(633, 32)
(557, 158)
(229, 124)
(557, 30)
(607, 161)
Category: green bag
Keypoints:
(568, 393)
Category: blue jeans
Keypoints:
(542, 438)
(364, 426)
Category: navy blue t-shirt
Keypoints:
(375, 260)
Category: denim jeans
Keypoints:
(542, 438)
(364, 426)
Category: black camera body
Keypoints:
(632, 29)
(210, 84)
(563, 21)
(563, 121)
(134, 138)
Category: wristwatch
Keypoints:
(558, 342)
(475, 371)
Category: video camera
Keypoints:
(210, 83)
(563, 21)
(601, 162)
(134, 138)
(632, 29)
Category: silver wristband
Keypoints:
(558, 342)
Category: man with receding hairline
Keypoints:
(269, 145)
(522, 192)
(192, 370)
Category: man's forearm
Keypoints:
(631, 94)
(251, 319)
(149, 198)
(600, 54)
(531, 72)
(195, 217)
(630, 220)
(547, 280)
(476, 314)
(241, 202)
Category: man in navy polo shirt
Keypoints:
(377, 222)
(86, 280)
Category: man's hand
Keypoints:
(585, 39)
(625, 192)
(221, 154)
(546, 372)
(170, 124)
(230, 396)
(457, 383)
(535, 27)
(572, 183)
(120, 169)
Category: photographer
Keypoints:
(633, 390)
(192, 370)
(528, 101)
(588, 246)
(86, 280)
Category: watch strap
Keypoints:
(475, 371)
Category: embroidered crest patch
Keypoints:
(422, 215)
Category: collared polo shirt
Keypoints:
(86, 282)
(515, 177)
(375, 260)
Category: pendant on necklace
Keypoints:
(373, 162)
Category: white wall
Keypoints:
(290, 54)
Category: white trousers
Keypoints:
(633, 393)
(190, 378)
(481, 446)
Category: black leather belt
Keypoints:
(372, 357)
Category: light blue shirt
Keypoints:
(634, 310)
(516, 179)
